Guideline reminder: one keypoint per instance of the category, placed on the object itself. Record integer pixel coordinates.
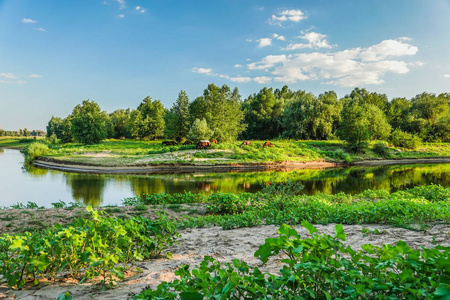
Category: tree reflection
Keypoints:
(87, 188)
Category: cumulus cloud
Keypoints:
(121, 16)
(206, 71)
(41, 29)
(346, 68)
(278, 37)
(35, 76)
(264, 42)
(294, 15)
(239, 79)
(238, 66)
(28, 21)
(447, 75)
(315, 41)
(262, 79)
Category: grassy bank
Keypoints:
(141, 153)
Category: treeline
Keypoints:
(22, 132)
(221, 114)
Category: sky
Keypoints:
(54, 54)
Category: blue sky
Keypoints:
(54, 54)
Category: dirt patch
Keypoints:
(20, 220)
(224, 246)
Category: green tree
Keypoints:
(378, 125)
(152, 113)
(397, 112)
(200, 131)
(354, 127)
(262, 114)
(66, 130)
(135, 126)
(178, 118)
(121, 120)
(54, 126)
(88, 123)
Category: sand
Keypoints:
(223, 245)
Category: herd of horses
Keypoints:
(207, 144)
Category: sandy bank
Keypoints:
(224, 246)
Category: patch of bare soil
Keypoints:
(225, 246)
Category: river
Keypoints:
(20, 185)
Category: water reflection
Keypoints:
(19, 184)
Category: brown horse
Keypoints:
(203, 145)
(169, 143)
(267, 144)
(245, 143)
(214, 141)
(187, 143)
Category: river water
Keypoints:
(42, 186)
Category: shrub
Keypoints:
(34, 150)
(226, 203)
(382, 149)
(404, 139)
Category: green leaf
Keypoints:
(340, 232)
(65, 296)
(442, 292)
(89, 208)
(311, 229)
(191, 296)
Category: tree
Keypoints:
(378, 125)
(66, 130)
(54, 126)
(178, 118)
(88, 123)
(397, 112)
(200, 131)
(121, 119)
(262, 114)
(135, 125)
(152, 113)
(222, 112)
(308, 117)
(354, 127)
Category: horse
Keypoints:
(214, 141)
(187, 143)
(245, 143)
(203, 145)
(169, 143)
(267, 144)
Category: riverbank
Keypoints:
(223, 245)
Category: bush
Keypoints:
(404, 139)
(34, 150)
(382, 149)
(227, 203)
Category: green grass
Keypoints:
(140, 153)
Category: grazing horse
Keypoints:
(169, 143)
(245, 143)
(203, 145)
(267, 144)
(214, 141)
(187, 143)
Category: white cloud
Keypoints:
(447, 75)
(239, 79)
(264, 42)
(315, 41)
(278, 37)
(35, 76)
(386, 49)
(267, 62)
(238, 66)
(8, 75)
(349, 68)
(13, 82)
(41, 29)
(121, 16)
(294, 15)
(202, 71)
(142, 10)
(263, 79)
(138, 7)
(28, 21)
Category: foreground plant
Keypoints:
(102, 246)
(319, 267)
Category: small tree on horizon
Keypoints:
(88, 123)
(200, 131)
